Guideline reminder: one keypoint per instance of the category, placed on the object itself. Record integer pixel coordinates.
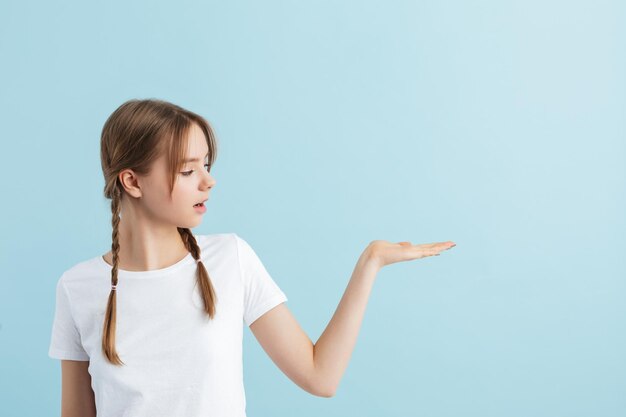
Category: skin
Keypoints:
(149, 240)
(77, 397)
(318, 367)
(148, 233)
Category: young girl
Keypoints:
(154, 327)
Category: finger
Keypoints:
(433, 247)
(438, 244)
(425, 246)
(428, 252)
(447, 245)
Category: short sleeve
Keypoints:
(261, 293)
(65, 341)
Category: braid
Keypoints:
(108, 332)
(202, 275)
(133, 137)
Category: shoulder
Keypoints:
(83, 270)
(214, 239)
(225, 244)
(80, 279)
(218, 243)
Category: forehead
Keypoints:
(197, 150)
(197, 147)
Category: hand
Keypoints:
(382, 252)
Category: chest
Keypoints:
(161, 320)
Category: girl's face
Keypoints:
(192, 186)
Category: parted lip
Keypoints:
(201, 201)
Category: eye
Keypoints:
(188, 173)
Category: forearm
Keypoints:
(334, 347)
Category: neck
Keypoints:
(145, 244)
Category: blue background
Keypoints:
(499, 125)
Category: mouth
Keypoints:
(200, 204)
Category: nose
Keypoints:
(208, 180)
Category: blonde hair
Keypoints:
(133, 136)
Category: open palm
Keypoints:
(385, 253)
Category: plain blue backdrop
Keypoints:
(499, 125)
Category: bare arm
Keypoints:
(318, 368)
(77, 397)
(333, 349)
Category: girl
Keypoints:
(154, 327)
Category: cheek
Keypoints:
(156, 199)
(183, 192)
(157, 194)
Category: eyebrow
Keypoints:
(194, 159)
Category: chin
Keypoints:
(187, 224)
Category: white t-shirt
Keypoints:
(178, 362)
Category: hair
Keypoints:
(133, 136)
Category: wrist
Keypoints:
(368, 261)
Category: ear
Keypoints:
(130, 182)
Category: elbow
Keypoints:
(321, 385)
(325, 392)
